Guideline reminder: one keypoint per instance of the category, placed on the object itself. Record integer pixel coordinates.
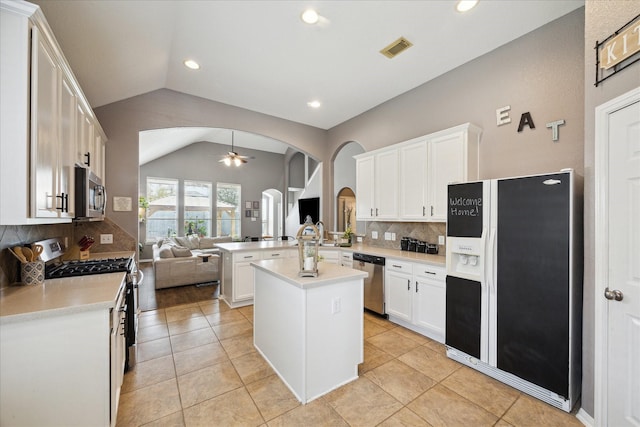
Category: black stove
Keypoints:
(86, 267)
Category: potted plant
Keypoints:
(347, 237)
(143, 204)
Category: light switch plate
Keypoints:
(441, 240)
(374, 234)
(106, 239)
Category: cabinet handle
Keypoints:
(66, 202)
(275, 254)
(371, 212)
(61, 197)
(431, 210)
(396, 265)
(430, 272)
(88, 161)
(424, 211)
(408, 284)
(376, 211)
(248, 256)
(416, 286)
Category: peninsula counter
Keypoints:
(309, 329)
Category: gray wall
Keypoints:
(200, 161)
(602, 18)
(542, 73)
(165, 108)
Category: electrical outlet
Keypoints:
(106, 239)
(359, 239)
(441, 240)
(393, 236)
(374, 234)
(387, 236)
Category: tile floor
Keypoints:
(197, 367)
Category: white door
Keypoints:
(618, 275)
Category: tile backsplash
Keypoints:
(13, 235)
(425, 231)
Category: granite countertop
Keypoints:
(327, 273)
(62, 296)
(438, 260)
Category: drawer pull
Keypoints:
(396, 265)
(430, 272)
(248, 256)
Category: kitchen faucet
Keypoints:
(320, 227)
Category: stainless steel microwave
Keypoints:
(90, 195)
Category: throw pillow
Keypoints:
(181, 251)
(183, 241)
(194, 242)
(206, 243)
(165, 251)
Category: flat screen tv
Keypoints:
(310, 206)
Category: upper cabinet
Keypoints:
(411, 184)
(47, 126)
(376, 185)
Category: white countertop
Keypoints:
(62, 296)
(438, 260)
(327, 273)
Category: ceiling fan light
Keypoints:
(227, 161)
(237, 161)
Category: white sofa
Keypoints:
(176, 261)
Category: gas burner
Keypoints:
(86, 267)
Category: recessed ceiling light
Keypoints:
(466, 5)
(190, 63)
(314, 104)
(310, 16)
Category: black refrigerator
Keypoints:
(514, 282)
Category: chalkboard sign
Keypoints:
(464, 210)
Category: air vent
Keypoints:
(396, 47)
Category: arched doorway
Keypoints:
(346, 207)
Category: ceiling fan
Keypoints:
(232, 157)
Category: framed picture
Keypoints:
(256, 213)
(247, 205)
(247, 212)
(256, 205)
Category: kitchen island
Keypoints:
(309, 329)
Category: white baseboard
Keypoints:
(585, 418)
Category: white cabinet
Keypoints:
(243, 275)
(413, 181)
(415, 297)
(39, 98)
(398, 285)
(346, 259)
(428, 164)
(429, 300)
(377, 185)
(238, 274)
(408, 181)
(365, 173)
(453, 157)
(45, 96)
(331, 256)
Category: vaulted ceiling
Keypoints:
(259, 55)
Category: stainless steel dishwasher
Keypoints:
(374, 283)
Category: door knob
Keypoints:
(613, 295)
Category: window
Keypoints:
(197, 208)
(162, 213)
(228, 220)
(267, 214)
